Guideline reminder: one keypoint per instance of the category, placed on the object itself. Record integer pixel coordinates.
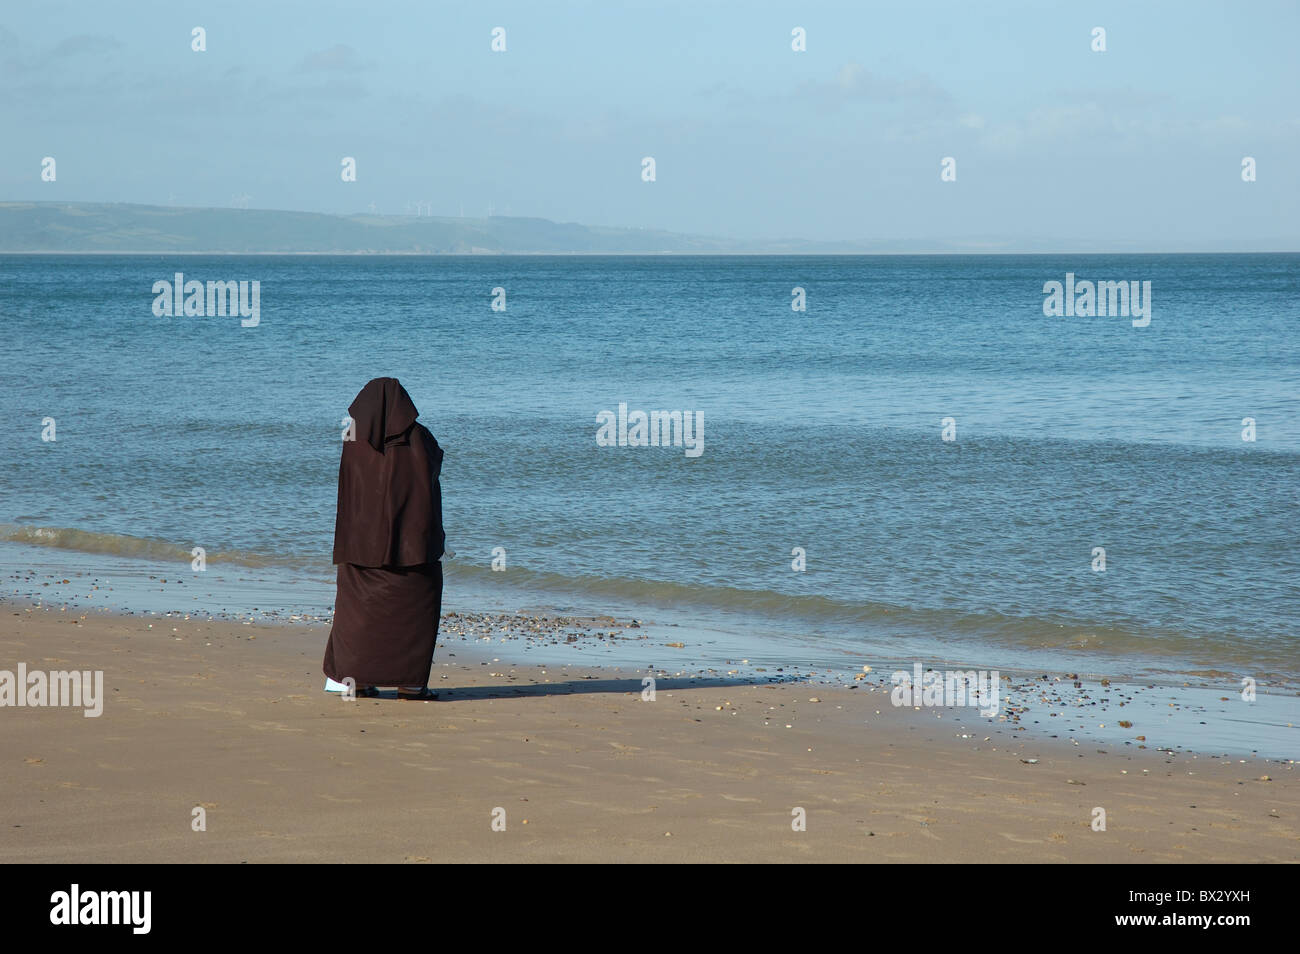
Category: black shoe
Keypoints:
(425, 695)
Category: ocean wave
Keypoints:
(801, 614)
(124, 545)
(814, 615)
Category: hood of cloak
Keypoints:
(390, 501)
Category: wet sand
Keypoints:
(230, 718)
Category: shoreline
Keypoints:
(1077, 697)
(295, 592)
(1077, 709)
(230, 718)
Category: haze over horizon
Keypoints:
(1140, 145)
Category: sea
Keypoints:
(910, 456)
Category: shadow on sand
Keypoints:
(584, 686)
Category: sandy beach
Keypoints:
(231, 718)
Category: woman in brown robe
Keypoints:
(388, 541)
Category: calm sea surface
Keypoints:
(822, 431)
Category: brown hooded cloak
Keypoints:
(388, 539)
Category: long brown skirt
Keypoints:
(385, 624)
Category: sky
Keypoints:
(1140, 145)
